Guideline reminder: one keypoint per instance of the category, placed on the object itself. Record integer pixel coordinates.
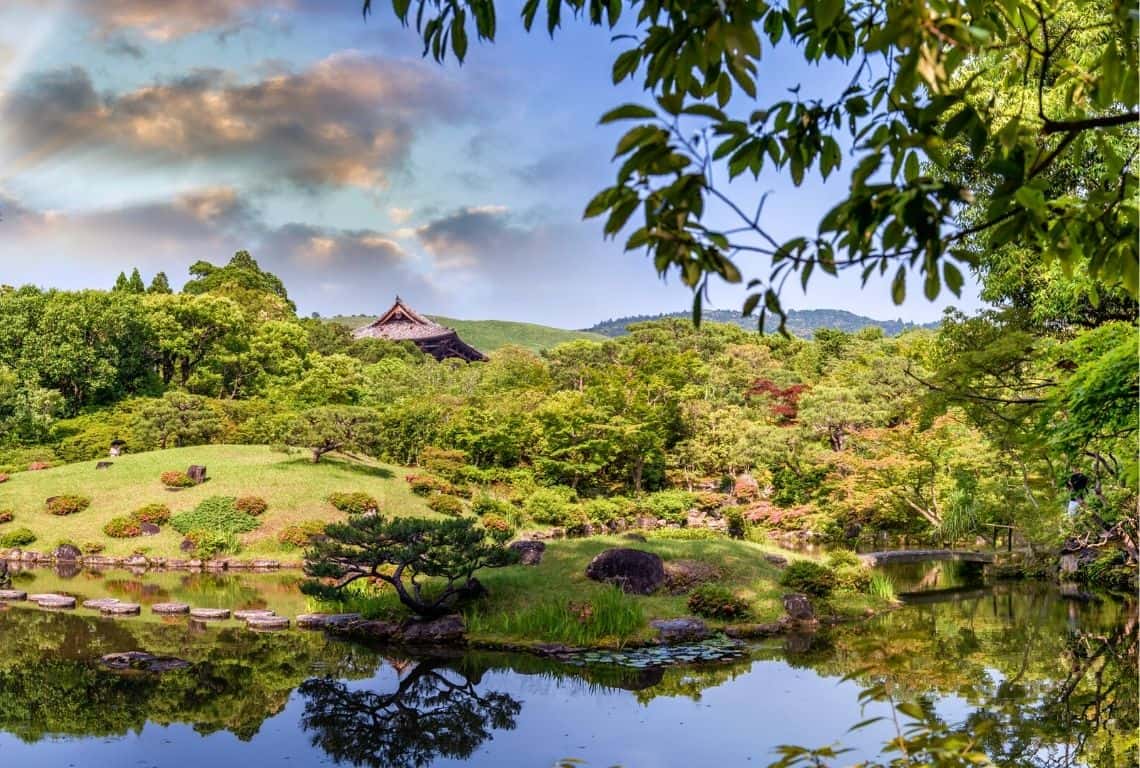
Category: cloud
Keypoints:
(462, 237)
(347, 120)
(173, 19)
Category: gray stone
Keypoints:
(136, 561)
(170, 608)
(148, 529)
(322, 620)
(13, 594)
(68, 552)
(632, 570)
(442, 631)
(210, 613)
(267, 622)
(753, 631)
(798, 607)
(121, 609)
(104, 465)
(55, 601)
(197, 473)
(253, 613)
(680, 630)
(530, 552)
(777, 560)
(99, 602)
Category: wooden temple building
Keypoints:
(402, 323)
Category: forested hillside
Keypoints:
(800, 322)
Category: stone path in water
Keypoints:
(256, 619)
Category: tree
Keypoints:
(1028, 83)
(336, 428)
(403, 552)
(159, 284)
(177, 419)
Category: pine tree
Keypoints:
(121, 283)
(135, 284)
(159, 284)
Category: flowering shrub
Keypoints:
(356, 503)
(446, 505)
(6, 516)
(251, 505)
(123, 527)
(156, 514)
(175, 478)
(67, 504)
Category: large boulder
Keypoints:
(446, 630)
(684, 630)
(68, 552)
(633, 570)
(798, 607)
(530, 552)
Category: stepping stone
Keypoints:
(35, 597)
(210, 613)
(55, 601)
(167, 608)
(321, 620)
(13, 594)
(267, 622)
(141, 661)
(99, 603)
(121, 609)
(253, 614)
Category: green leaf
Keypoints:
(953, 278)
(627, 112)
(898, 286)
(827, 11)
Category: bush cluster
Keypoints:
(716, 602)
(497, 524)
(670, 506)
(425, 485)
(442, 461)
(354, 503)
(809, 577)
(208, 544)
(17, 537)
(156, 514)
(485, 504)
(67, 504)
(856, 578)
(736, 524)
(550, 506)
(251, 505)
(302, 534)
(176, 478)
(217, 514)
(446, 504)
(684, 534)
(92, 547)
(608, 510)
(123, 527)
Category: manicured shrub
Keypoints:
(17, 537)
(123, 527)
(576, 522)
(6, 516)
(736, 524)
(442, 461)
(809, 578)
(355, 503)
(485, 504)
(841, 557)
(684, 534)
(497, 524)
(36, 466)
(446, 505)
(217, 514)
(92, 547)
(856, 578)
(425, 485)
(208, 544)
(175, 478)
(550, 505)
(716, 602)
(301, 535)
(251, 505)
(608, 510)
(67, 504)
(156, 514)
(671, 506)
(708, 501)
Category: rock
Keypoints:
(753, 631)
(530, 552)
(682, 575)
(210, 613)
(187, 545)
(55, 601)
(148, 529)
(175, 564)
(268, 565)
(67, 569)
(197, 473)
(680, 630)
(215, 565)
(194, 565)
(121, 609)
(377, 629)
(777, 560)
(37, 596)
(141, 661)
(798, 642)
(250, 613)
(68, 552)
(798, 607)
(13, 594)
(99, 602)
(104, 465)
(322, 620)
(634, 537)
(136, 561)
(442, 631)
(633, 570)
(29, 556)
(267, 622)
(170, 608)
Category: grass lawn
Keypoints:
(294, 488)
(555, 602)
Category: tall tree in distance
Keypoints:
(159, 284)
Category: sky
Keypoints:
(136, 133)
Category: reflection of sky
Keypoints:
(460, 188)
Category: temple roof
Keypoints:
(402, 323)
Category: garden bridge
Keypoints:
(926, 555)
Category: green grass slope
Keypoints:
(490, 335)
(294, 488)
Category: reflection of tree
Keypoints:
(433, 712)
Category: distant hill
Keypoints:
(801, 322)
(489, 335)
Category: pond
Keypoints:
(1042, 679)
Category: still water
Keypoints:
(1041, 678)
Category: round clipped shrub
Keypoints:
(156, 514)
(446, 504)
(716, 602)
(92, 547)
(17, 537)
(736, 525)
(123, 527)
(175, 478)
(355, 503)
(497, 524)
(217, 514)
(251, 505)
(486, 504)
(6, 516)
(302, 534)
(210, 544)
(37, 466)
(425, 485)
(855, 578)
(67, 504)
(809, 578)
(840, 557)
(550, 505)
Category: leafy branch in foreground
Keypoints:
(404, 552)
(1018, 85)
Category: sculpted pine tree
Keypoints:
(406, 553)
(335, 428)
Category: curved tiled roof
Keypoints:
(402, 323)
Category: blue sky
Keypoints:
(139, 133)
